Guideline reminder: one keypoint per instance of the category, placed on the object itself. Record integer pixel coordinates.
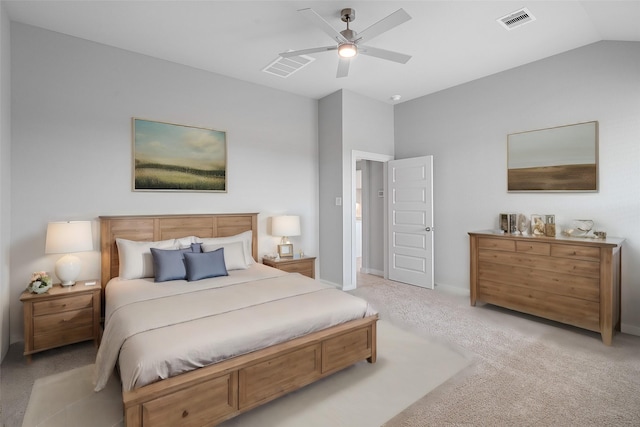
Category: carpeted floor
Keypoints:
(524, 371)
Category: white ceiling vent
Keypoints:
(284, 67)
(516, 19)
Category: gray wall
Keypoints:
(5, 178)
(465, 129)
(71, 150)
(347, 122)
(330, 187)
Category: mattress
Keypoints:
(155, 331)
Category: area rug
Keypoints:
(364, 395)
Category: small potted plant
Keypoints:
(40, 282)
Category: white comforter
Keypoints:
(159, 330)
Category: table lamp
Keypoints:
(285, 226)
(66, 238)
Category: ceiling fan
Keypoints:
(349, 43)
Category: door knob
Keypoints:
(428, 229)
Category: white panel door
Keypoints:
(410, 218)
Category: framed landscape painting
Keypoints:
(172, 157)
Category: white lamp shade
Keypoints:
(285, 225)
(68, 237)
(65, 238)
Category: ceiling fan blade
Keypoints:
(384, 54)
(312, 16)
(385, 24)
(307, 51)
(343, 67)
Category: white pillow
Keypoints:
(233, 254)
(136, 261)
(245, 238)
(185, 242)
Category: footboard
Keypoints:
(210, 395)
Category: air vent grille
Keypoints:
(284, 67)
(516, 19)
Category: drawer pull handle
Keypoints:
(185, 413)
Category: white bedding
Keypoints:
(159, 330)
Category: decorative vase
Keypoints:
(40, 282)
(39, 287)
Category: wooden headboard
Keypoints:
(162, 227)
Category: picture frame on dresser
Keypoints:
(285, 250)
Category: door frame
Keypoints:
(349, 217)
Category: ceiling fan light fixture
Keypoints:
(347, 50)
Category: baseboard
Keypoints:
(630, 329)
(372, 271)
(452, 289)
(349, 287)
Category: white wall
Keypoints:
(465, 129)
(5, 178)
(71, 150)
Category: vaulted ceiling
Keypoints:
(451, 42)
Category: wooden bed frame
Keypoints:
(215, 393)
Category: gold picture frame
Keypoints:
(285, 250)
(173, 157)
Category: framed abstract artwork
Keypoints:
(173, 157)
(561, 159)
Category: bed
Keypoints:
(207, 392)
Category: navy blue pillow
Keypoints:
(168, 264)
(205, 264)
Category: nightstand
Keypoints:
(305, 265)
(63, 315)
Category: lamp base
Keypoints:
(68, 269)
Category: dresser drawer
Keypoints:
(497, 244)
(61, 321)
(63, 337)
(570, 285)
(538, 248)
(589, 253)
(577, 312)
(202, 404)
(540, 262)
(303, 267)
(265, 380)
(57, 305)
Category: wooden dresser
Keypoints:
(570, 280)
(61, 316)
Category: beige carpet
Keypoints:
(366, 395)
(526, 371)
